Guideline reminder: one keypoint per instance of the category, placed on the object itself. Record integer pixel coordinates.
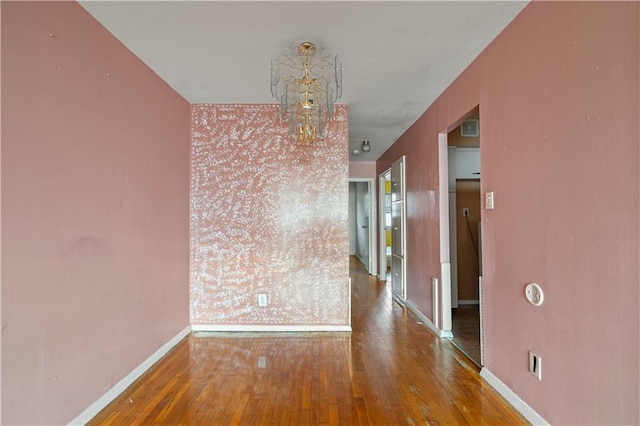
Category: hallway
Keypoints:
(389, 370)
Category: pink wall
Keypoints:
(267, 216)
(558, 95)
(362, 169)
(95, 177)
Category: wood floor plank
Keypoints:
(390, 370)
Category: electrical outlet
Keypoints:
(535, 365)
(465, 212)
(262, 300)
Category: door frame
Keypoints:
(445, 299)
(402, 202)
(445, 259)
(382, 240)
(373, 223)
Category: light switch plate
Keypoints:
(488, 200)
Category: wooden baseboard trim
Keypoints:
(269, 328)
(426, 321)
(513, 399)
(91, 411)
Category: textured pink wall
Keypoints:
(362, 169)
(267, 216)
(95, 178)
(558, 92)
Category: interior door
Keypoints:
(362, 223)
(384, 232)
(398, 230)
(352, 219)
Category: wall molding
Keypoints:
(426, 321)
(91, 411)
(269, 328)
(513, 399)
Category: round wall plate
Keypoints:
(534, 294)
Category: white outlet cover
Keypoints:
(262, 300)
(488, 200)
(534, 294)
(535, 365)
(262, 362)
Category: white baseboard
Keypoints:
(426, 321)
(91, 411)
(468, 302)
(269, 328)
(364, 262)
(397, 299)
(513, 399)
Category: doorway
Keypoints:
(464, 236)
(398, 230)
(392, 216)
(384, 183)
(362, 223)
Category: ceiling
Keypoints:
(398, 57)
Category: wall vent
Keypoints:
(470, 128)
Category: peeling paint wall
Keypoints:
(268, 216)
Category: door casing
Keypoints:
(372, 266)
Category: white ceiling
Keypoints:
(398, 57)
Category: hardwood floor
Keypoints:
(466, 330)
(389, 370)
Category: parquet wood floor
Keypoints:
(390, 370)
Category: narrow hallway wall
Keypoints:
(558, 96)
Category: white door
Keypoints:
(398, 230)
(362, 223)
(352, 219)
(384, 186)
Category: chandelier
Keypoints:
(306, 84)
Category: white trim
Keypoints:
(435, 302)
(445, 273)
(481, 296)
(448, 291)
(453, 255)
(349, 303)
(361, 259)
(468, 302)
(443, 187)
(426, 321)
(271, 328)
(92, 410)
(403, 174)
(513, 399)
(397, 299)
(382, 240)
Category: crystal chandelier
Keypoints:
(306, 84)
